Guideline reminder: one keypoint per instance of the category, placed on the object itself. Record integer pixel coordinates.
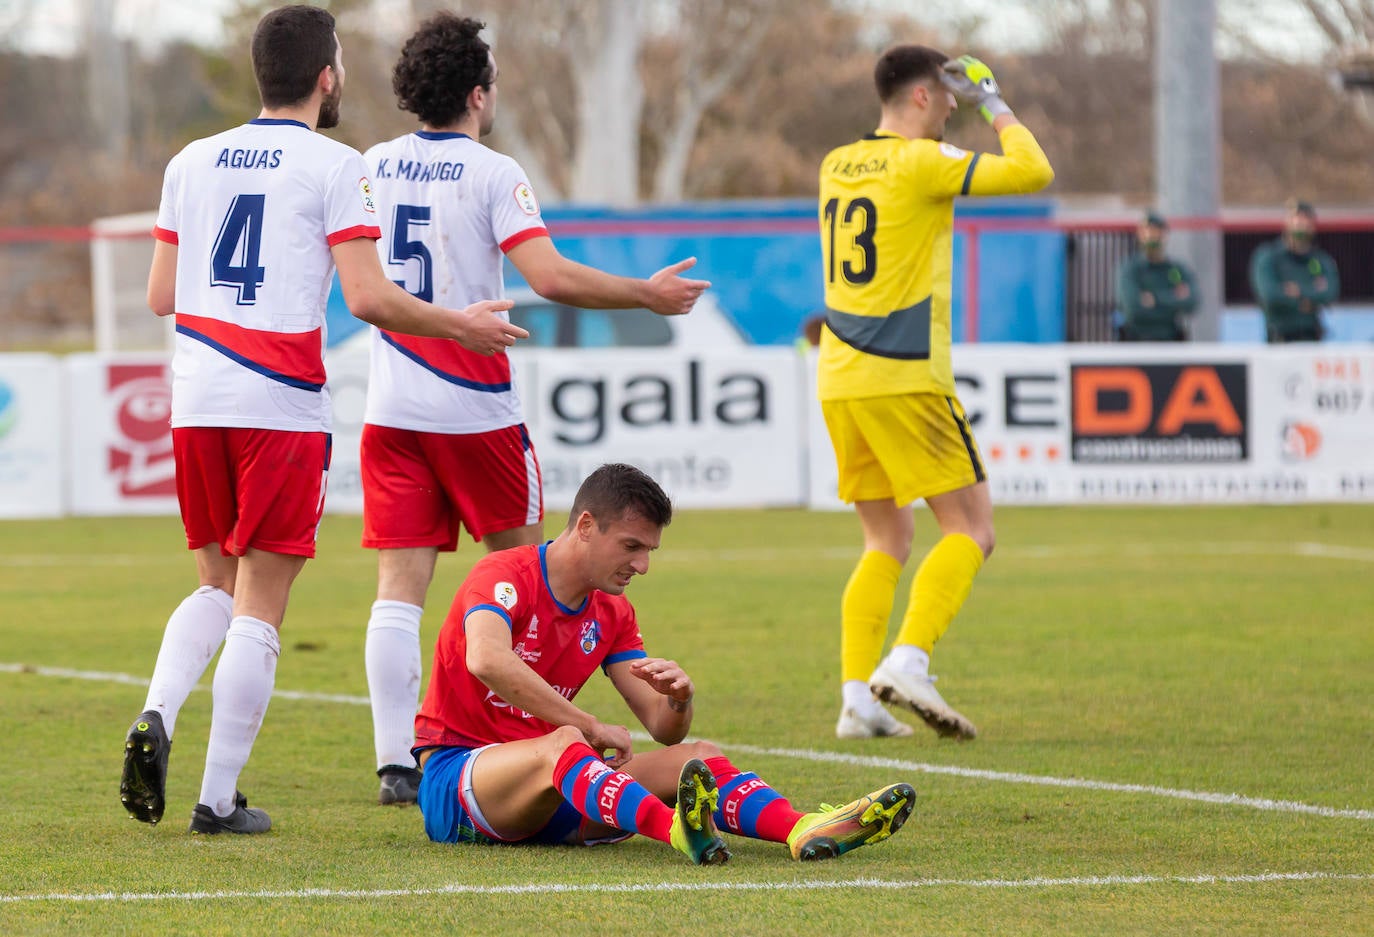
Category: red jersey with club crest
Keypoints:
(563, 645)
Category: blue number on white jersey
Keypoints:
(237, 266)
(403, 249)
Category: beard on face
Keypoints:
(329, 110)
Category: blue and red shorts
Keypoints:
(452, 814)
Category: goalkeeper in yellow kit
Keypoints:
(885, 381)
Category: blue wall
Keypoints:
(763, 259)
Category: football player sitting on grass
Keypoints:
(508, 757)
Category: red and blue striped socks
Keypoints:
(605, 795)
(748, 806)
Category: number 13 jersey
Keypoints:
(887, 234)
(253, 213)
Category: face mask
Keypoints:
(1151, 244)
(1300, 238)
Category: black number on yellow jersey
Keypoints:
(863, 240)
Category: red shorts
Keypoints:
(419, 487)
(258, 488)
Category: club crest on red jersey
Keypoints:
(591, 635)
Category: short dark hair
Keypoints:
(1299, 207)
(1155, 219)
(617, 489)
(902, 66)
(439, 66)
(291, 45)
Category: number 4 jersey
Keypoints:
(254, 212)
(450, 208)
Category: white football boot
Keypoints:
(873, 723)
(918, 694)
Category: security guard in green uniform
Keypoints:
(1154, 292)
(1293, 279)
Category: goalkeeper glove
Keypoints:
(972, 82)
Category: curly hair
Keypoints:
(438, 68)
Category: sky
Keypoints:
(55, 26)
(1015, 25)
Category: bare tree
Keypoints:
(1331, 31)
(808, 89)
(107, 78)
(1347, 24)
(605, 42)
(572, 70)
(708, 49)
(16, 19)
(1099, 27)
(1345, 31)
(611, 97)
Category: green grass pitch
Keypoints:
(1175, 705)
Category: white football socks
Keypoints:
(857, 696)
(243, 683)
(193, 635)
(908, 658)
(392, 656)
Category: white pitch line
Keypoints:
(98, 676)
(1208, 797)
(807, 754)
(559, 888)
(1304, 550)
(95, 676)
(1335, 551)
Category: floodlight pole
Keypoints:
(1187, 134)
(107, 78)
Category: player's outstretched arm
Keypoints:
(561, 280)
(671, 294)
(377, 301)
(659, 693)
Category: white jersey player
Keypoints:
(265, 203)
(451, 207)
(444, 444)
(251, 225)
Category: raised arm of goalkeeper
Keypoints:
(1022, 167)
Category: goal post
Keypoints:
(121, 253)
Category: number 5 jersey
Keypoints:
(450, 208)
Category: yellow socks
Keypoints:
(941, 585)
(864, 610)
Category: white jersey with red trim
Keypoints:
(449, 207)
(254, 212)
